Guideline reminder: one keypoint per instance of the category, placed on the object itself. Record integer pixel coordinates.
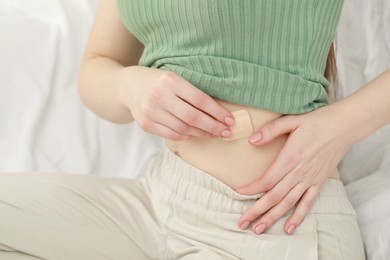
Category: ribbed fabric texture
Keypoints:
(269, 54)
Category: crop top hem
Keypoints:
(265, 88)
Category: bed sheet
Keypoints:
(45, 127)
(364, 52)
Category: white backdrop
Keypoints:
(364, 52)
(44, 126)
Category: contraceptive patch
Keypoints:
(242, 128)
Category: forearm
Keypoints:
(109, 56)
(367, 110)
(99, 88)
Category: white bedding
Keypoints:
(364, 37)
(45, 127)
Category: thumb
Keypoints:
(272, 130)
(253, 188)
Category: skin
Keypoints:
(115, 88)
(317, 142)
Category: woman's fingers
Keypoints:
(284, 162)
(161, 130)
(203, 102)
(280, 199)
(303, 207)
(272, 130)
(282, 165)
(195, 118)
(190, 105)
(285, 192)
(278, 211)
(177, 125)
(311, 151)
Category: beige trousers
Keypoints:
(175, 212)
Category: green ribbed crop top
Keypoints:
(269, 54)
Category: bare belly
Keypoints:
(235, 163)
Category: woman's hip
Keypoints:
(198, 209)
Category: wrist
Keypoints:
(124, 87)
(366, 110)
(342, 125)
(350, 121)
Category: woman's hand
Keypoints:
(317, 141)
(165, 104)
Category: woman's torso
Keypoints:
(265, 54)
(235, 163)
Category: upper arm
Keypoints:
(110, 38)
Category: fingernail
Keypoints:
(255, 138)
(290, 229)
(259, 229)
(229, 121)
(226, 133)
(245, 225)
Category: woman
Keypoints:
(257, 61)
